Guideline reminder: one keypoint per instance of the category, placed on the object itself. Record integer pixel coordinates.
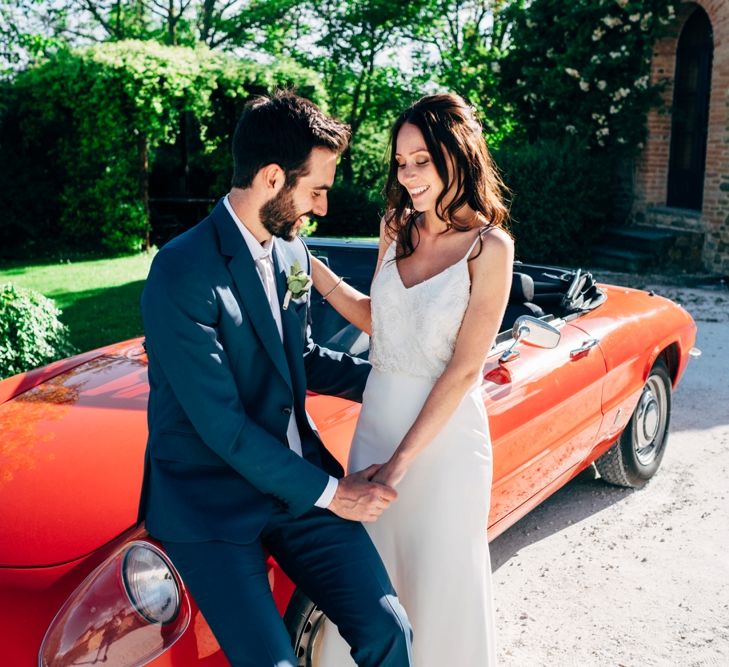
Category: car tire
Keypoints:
(637, 454)
(303, 620)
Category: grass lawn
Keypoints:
(99, 298)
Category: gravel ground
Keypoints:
(599, 575)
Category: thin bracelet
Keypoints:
(339, 282)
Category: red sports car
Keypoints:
(581, 373)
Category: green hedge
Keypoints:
(79, 136)
(353, 211)
(561, 199)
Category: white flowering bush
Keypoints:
(582, 68)
(30, 332)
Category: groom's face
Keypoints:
(283, 214)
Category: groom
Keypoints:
(233, 465)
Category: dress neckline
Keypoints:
(435, 275)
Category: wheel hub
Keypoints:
(308, 644)
(647, 423)
(650, 420)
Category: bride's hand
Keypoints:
(390, 474)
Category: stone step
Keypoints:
(644, 247)
(606, 256)
(674, 218)
(686, 251)
(640, 239)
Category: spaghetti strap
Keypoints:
(391, 249)
(479, 237)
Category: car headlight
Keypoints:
(127, 612)
(151, 584)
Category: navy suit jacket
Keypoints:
(222, 387)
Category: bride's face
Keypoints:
(415, 169)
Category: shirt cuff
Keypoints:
(326, 498)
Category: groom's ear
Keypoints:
(271, 177)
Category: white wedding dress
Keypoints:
(432, 539)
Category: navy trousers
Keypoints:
(333, 561)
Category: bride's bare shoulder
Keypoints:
(496, 246)
(496, 236)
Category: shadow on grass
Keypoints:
(20, 271)
(581, 498)
(58, 258)
(103, 316)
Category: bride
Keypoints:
(437, 299)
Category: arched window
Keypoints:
(690, 113)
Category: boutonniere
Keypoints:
(297, 284)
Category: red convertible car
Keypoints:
(581, 373)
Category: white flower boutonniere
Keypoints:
(297, 284)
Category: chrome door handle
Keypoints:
(584, 348)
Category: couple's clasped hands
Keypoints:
(365, 495)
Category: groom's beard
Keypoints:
(278, 215)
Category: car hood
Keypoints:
(72, 452)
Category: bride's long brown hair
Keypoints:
(449, 125)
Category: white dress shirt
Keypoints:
(262, 255)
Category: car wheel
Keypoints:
(304, 621)
(637, 454)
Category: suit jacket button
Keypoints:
(286, 411)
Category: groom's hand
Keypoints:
(359, 499)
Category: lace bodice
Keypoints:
(414, 329)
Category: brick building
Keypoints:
(681, 181)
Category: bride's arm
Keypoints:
(491, 274)
(350, 303)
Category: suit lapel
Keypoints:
(294, 345)
(250, 288)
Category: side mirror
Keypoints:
(531, 330)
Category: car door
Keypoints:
(633, 327)
(544, 412)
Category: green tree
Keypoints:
(273, 26)
(28, 27)
(352, 44)
(466, 40)
(27, 30)
(217, 23)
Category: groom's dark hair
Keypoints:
(282, 129)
